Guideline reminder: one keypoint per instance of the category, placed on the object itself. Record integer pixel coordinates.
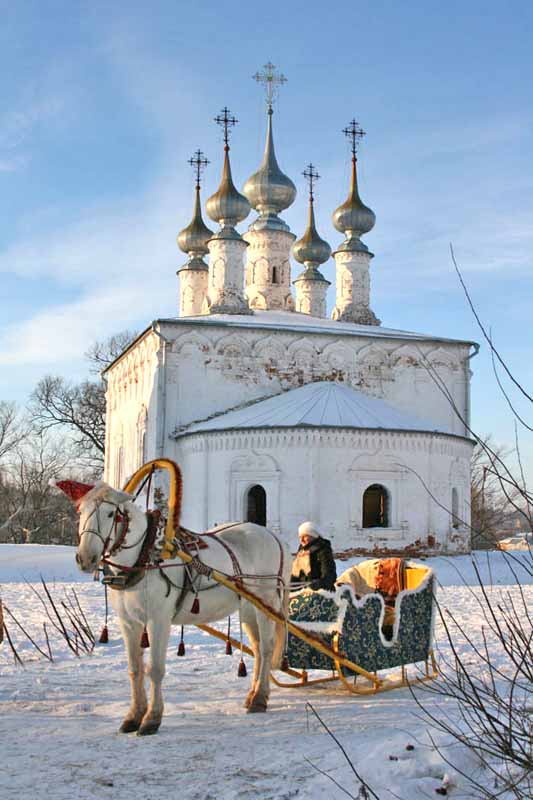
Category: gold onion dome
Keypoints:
(311, 250)
(353, 218)
(269, 190)
(227, 206)
(193, 239)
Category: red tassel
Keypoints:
(104, 636)
(195, 608)
(145, 642)
(241, 672)
(229, 648)
(284, 664)
(181, 646)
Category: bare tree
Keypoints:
(12, 430)
(102, 353)
(79, 408)
(30, 510)
(490, 685)
(490, 507)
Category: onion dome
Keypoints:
(311, 250)
(353, 218)
(269, 190)
(193, 239)
(227, 206)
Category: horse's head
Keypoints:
(101, 509)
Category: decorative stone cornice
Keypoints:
(357, 440)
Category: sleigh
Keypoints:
(352, 628)
(339, 634)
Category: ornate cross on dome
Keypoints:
(311, 176)
(354, 132)
(271, 80)
(226, 121)
(198, 162)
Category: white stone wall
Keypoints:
(195, 371)
(216, 367)
(132, 409)
(322, 474)
(193, 292)
(311, 297)
(352, 286)
(268, 269)
(225, 291)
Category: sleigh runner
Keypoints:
(328, 631)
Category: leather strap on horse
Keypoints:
(237, 572)
(174, 500)
(128, 577)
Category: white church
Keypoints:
(278, 414)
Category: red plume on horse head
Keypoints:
(73, 489)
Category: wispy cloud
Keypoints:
(123, 265)
(19, 125)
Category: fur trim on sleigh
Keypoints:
(344, 595)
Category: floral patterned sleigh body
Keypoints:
(351, 629)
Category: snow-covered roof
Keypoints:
(317, 405)
(304, 323)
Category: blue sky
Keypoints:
(102, 105)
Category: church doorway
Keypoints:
(256, 505)
(376, 507)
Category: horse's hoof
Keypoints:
(148, 729)
(129, 725)
(256, 708)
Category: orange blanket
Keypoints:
(390, 578)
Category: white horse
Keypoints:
(113, 529)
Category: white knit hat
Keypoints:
(308, 529)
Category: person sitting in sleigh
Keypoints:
(313, 566)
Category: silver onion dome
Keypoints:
(353, 218)
(311, 250)
(227, 206)
(269, 190)
(193, 239)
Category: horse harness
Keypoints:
(128, 577)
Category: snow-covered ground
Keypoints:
(58, 720)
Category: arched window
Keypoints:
(375, 507)
(455, 508)
(256, 505)
(275, 275)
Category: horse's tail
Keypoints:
(281, 631)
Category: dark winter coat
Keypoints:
(314, 564)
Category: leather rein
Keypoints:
(130, 576)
